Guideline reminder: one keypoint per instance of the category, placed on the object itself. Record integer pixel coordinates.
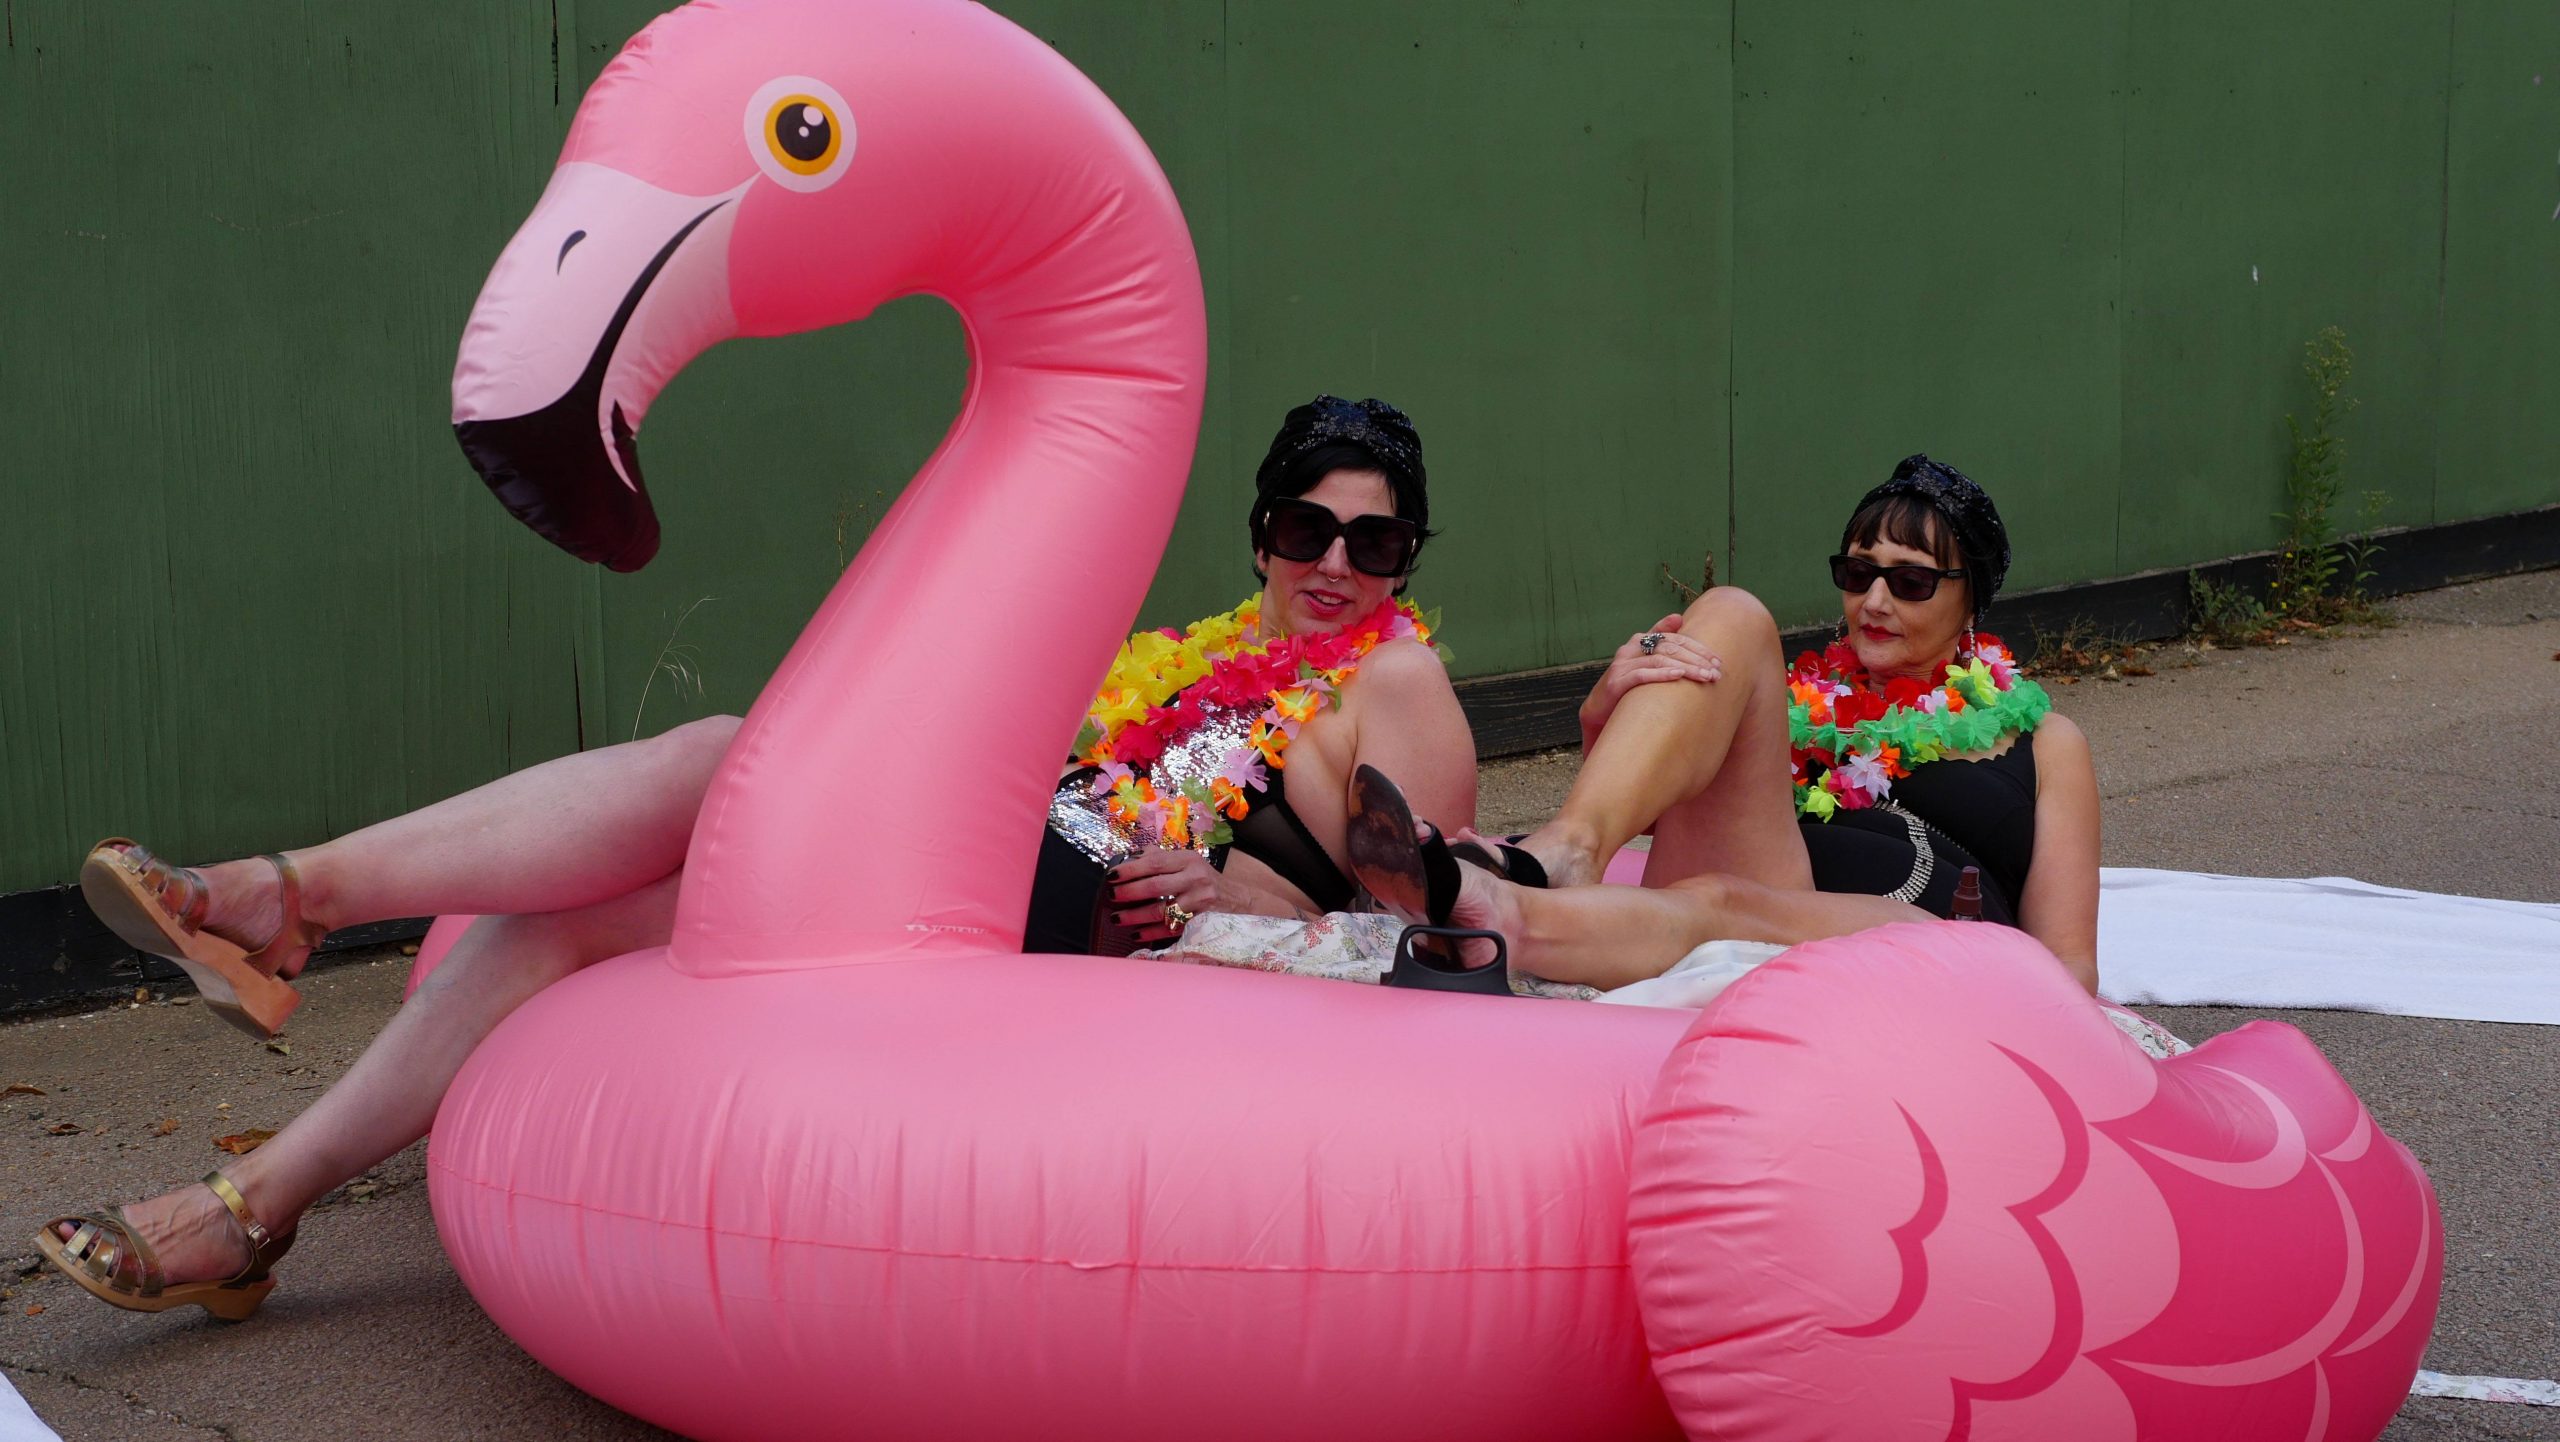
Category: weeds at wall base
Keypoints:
(2320, 576)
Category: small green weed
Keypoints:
(2225, 613)
(2308, 563)
(680, 663)
(1687, 592)
(2320, 576)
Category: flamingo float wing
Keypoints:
(1916, 1173)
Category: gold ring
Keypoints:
(1175, 917)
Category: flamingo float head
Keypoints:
(759, 167)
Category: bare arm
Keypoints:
(2060, 907)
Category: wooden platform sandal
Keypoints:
(97, 1254)
(160, 908)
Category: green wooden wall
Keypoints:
(1660, 279)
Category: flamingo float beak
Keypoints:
(610, 288)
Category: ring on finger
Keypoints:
(1176, 917)
(1649, 641)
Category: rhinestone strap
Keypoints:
(1924, 857)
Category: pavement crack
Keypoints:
(131, 1399)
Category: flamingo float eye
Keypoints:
(800, 131)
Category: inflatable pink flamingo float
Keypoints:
(839, 1161)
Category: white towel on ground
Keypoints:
(18, 1421)
(2184, 938)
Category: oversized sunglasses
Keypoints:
(1297, 530)
(1907, 583)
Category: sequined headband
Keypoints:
(1385, 432)
(1968, 512)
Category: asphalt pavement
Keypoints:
(2417, 755)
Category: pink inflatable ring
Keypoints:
(839, 1160)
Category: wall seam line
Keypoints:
(2444, 263)
(1733, 292)
(2124, 287)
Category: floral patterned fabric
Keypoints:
(1340, 946)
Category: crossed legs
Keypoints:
(566, 863)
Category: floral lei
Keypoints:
(1164, 684)
(1851, 744)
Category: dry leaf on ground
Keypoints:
(62, 1129)
(36, 1311)
(167, 1125)
(21, 1089)
(279, 1048)
(240, 1144)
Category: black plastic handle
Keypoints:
(1429, 972)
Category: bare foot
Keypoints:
(191, 1234)
(245, 906)
(1486, 902)
(1571, 857)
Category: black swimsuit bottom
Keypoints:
(1942, 818)
(1067, 885)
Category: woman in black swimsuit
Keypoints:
(1687, 737)
(577, 860)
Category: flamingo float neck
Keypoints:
(886, 793)
(884, 799)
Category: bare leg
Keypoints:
(1608, 936)
(569, 833)
(389, 1098)
(1701, 765)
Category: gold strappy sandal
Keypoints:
(160, 909)
(96, 1253)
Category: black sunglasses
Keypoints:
(1907, 583)
(1297, 530)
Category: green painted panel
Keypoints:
(1511, 220)
(250, 600)
(1927, 216)
(2273, 187)
(2498, 436)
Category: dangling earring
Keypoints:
(1840, 632)
(1969, 647)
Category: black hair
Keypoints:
(1329, 434)
(1905, 520)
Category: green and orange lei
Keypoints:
(1850, 742)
